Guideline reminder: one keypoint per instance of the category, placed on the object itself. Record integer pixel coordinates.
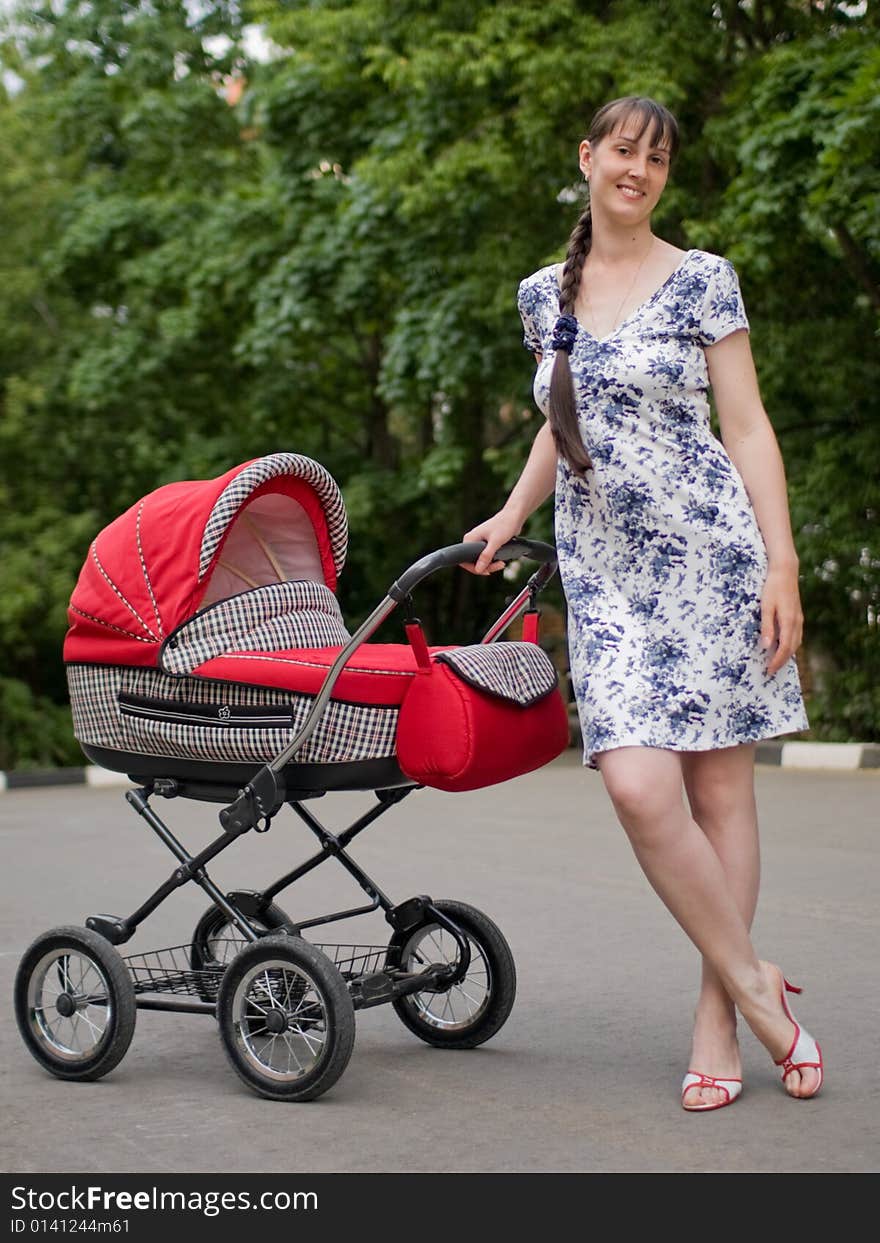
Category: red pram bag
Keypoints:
(478, 715)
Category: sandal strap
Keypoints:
(804, 1051)
(695, 1079)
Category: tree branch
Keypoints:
(858, 263)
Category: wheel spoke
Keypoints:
(308, 1037)
(50, 1028)
(471, 999)
(291, 1053)
(260, 1050)
(291, 979)
(304, 1005)
(63, 973)
(97, 1032)
(441, 952)
(75, 1034)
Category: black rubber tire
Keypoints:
(214, 921)
(89, 962)
(296, 964)
(491, 960)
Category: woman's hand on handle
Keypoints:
(782, 621)
(496, 531)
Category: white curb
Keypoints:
(96, 776)
(846, 755)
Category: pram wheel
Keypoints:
(286, 1019)
(469, 1013)
(216, 941)
(75, 1003)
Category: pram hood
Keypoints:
(190, 544)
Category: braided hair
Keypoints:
(562, 409)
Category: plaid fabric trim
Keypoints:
(267, 619)
(345, 731)
(239, 489)
(520, 672)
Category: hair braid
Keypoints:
(563, 414)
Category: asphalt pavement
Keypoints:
(584, 1077)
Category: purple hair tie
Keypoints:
(564, 333)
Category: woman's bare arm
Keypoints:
(751, 443)
(535, 484)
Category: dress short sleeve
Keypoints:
(723, 309)
(527, 305)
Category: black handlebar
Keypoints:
(455, 554)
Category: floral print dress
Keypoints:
(660, 553)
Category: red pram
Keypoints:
(207, 658)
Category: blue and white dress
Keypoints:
(660, 553)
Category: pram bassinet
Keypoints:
(205, 623)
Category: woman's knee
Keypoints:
(720, 787)
(644, 785)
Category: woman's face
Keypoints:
(626, 175)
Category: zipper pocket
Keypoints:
(179, 712)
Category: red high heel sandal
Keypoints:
(804, 1053)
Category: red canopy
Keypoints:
(149, 570)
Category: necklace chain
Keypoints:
(622, 300)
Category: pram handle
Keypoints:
(455, 554)
(259, 799)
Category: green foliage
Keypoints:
(35, 732)
(800, 143)
(330, 266)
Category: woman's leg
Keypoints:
(645, 786)
(720, 787)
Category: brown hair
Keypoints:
(664, 131)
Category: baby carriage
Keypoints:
(207, 658)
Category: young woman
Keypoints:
(679, 569)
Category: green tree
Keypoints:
(799, 140)
(330, 266)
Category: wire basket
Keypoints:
(352, 961)
(170, 970)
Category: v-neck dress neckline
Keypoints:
(642, 306)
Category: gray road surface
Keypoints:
(584, 1077)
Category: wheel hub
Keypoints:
(276, 1022)
(65, 1005)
